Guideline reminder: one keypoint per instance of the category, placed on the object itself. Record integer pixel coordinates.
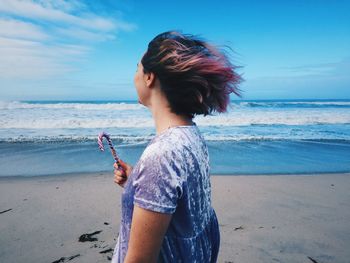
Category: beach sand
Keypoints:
(301, 218)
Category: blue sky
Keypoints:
(88, 50)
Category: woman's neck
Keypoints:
(164, 118)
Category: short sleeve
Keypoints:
(158, 184)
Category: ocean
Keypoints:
(253, 137)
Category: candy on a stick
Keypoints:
(100, 145)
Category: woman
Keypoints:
(166, 204)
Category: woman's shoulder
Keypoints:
(170, 143)
(160, 148)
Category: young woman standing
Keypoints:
(167, 214)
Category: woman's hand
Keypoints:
(121, 175)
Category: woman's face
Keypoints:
(140, 85)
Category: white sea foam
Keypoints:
(139, 140)
(286, 104)
(11, 105)
(54, 119)
(71, 123)
(275, 118)
(72, 106)
(38, 120)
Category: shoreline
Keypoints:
(105, 173)
(226, 157)
(262, 218)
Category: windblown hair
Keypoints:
(195, 77)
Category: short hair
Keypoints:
(195, 76)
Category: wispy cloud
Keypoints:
(320, 69)
(11, 28)
(63, 13)
(42, 38)
(33, 59)
(318, 81)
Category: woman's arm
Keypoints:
(146, 236)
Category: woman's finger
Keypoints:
(124, 165)
(120, 177)
(117, 173)
(120, 173)
(119, 181)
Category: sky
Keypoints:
(88, 50)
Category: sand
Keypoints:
(294, 218)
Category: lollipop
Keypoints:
(100, 145)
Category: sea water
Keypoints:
(253, 137)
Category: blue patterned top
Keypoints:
(172, 176)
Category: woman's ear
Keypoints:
(149, 79)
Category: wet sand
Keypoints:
(75, 218)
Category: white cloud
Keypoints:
(31, 59)
(64, 5)
(40, 39)
(340, 67)
(17, 29)
(81, 34)
(37, 10)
